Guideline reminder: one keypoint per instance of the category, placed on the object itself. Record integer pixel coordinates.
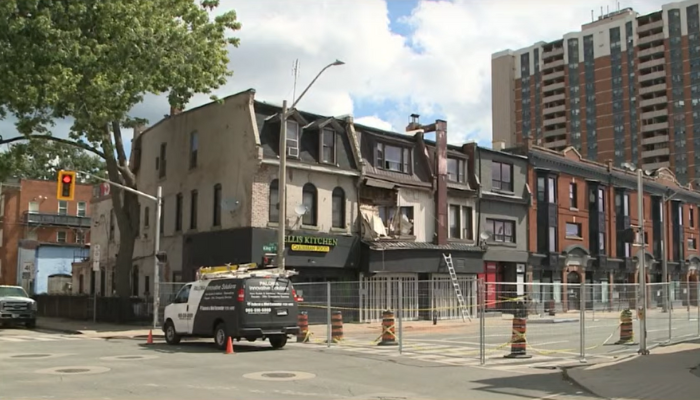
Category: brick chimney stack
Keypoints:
(174, 111)
(414, 123)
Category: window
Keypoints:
(502, 176)
(386, 214)
(680, 214)
(62, 207)
(80, 237)
(82, 209)
(309, 195)
(692, 244)
(292, 138)
(194, 197)
(551, 190)
(455, 223)
(573, 195)
(601, 240)
(455, 170)
(147, 284)
(147, 217)
(691, 217)
(178, 212)
(194, 147)
(135, 281)
(162, 164)
(61, 236)
(503, 231)
(33, 207)
(628, 250)
(573, 230)
(328, 146)
(393, 158)
(216, 218)
(408, 213)
(626, 205)
(552, 239)
(468, 221)
(338, 208)
(274, 210)
(601, 200)
(541, 189)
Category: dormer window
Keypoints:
(393, 158)
(455, 170)
(328, 146)
(292, 138)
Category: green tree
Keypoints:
(42, 159)
(93, 61)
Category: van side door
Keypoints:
(181, 310)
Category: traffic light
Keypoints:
(66, 185)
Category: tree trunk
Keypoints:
(128, 219)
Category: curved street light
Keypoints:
(282, 175)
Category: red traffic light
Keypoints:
(67, 179)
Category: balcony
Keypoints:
(554, 121)
(555, 109)
(655, 139)
(552, 87)
(36, 219)
(655, 127)
(656, 152)
(651, 76)
(553, 97)
(653, 101)
(650, 38)
(553, 75)
(651, 50)
(652, 63)
(659, 87)
(552, 53)
(556, 145)
(554, 133)
(649, 26)
(654, 114)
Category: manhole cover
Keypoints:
(31, 356)
(128, 357)
(279, 375)
(73, 370)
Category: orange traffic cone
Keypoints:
(150, 337)
(229, 346)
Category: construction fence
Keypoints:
(493, 322)
(543, 321)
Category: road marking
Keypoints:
(9, 339)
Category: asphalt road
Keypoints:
(42, 365)
(548, 343)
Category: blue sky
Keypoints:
(427, 57)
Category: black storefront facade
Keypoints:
(423, 263)
(318, 257)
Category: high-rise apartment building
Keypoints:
(625, 88)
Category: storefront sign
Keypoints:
(306, 247)
(311, 240)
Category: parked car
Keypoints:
(16, 307)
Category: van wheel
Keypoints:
(278, 341)
(220, 336)
(171, 336)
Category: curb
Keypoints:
(553, 321)
(570, 379)
(59, 330)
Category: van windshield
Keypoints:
(268, 289)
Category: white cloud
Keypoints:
(440, 69)
(375, 122)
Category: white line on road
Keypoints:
(9, 339)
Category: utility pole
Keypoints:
(642, 297)
(282, 174)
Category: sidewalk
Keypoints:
(671, 372)
(92, 329)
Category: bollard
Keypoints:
(303, 323)
(626, 327)
(388, 330)
(518, 341)
(551, 308)
(337, 326)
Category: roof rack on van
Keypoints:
(249, 270)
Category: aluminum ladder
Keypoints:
(458, 289)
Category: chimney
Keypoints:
(610, 165)
(498, 145)
(138, 130)
(414, 123)
(174, 111)
(441, 172)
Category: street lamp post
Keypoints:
(282, 179)
(641, 288)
